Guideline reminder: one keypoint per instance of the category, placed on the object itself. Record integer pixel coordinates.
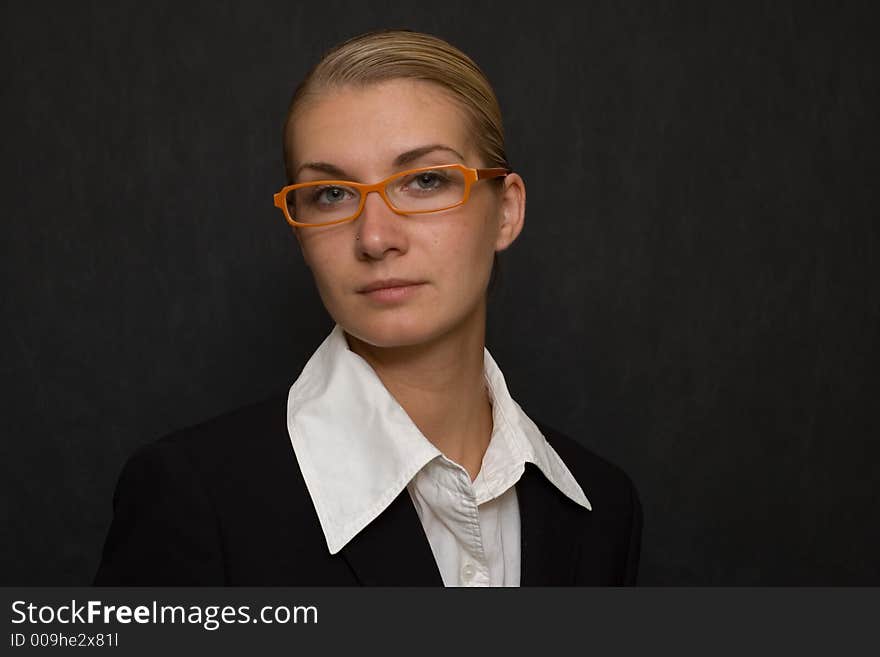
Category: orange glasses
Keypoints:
(414, 191)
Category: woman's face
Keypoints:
(360, 132)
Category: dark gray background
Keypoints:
(694, 296)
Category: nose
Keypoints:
(379, 229)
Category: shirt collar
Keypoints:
(357, 448)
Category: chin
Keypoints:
(388, 330)
(404, 326)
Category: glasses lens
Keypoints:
(426, 191)
(322, 203)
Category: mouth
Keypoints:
(388, 284)
(391, 290)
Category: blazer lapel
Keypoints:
(393, 549)
(550, 531)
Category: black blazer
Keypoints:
(224, 503)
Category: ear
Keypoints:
(513, 211)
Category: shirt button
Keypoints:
(467, 573)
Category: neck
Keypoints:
(441, 386)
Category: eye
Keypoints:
(426, 181)
(331, 195)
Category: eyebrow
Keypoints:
(401, 160)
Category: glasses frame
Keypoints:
(471, 176)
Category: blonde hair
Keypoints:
(392, 54)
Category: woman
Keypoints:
(401, 458)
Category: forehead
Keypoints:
(368, 126)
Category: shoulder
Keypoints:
(210, 503)
(253, 422)
(235, 439)
(605, 484)
(611, 546)
(237, 458)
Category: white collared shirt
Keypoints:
(357, 449)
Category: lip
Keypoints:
(388, 283)
(391, 291)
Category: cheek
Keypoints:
(325, 267)
(464, 253)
